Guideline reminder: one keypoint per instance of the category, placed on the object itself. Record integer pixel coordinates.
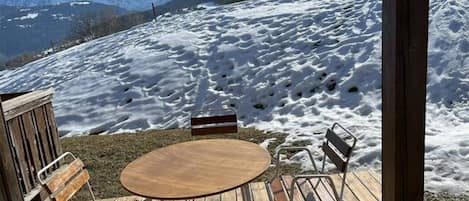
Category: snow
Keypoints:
(285, 66)
(265, 144)
(59, 16)
(127, 4)
(24, 26)
(28, 16)
(79, 3)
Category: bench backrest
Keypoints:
(219, 124)
(340, 151)
(64, 182)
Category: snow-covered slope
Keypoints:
(294, 66)
(127, 4)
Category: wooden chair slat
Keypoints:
(370, 183)
(73, 186)
(213, 120)
(217, 124)
(297, 196)
(360, 190)
(335, 158)
(338, 142)
(215, 130)
(259, 191)
(277, 190)
(348, 194)
(61, 176)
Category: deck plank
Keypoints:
(239, 195)
(277, 190)
(322, 190)
(363, 185)
(229, 196)
(358, 188)
(370, 183)
(375, 175)
(348, 194)
(297, 196)
(259, 192)
(307, 190)
(216, 197)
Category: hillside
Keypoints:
(288, 66)
(30, 29)
(127, 4)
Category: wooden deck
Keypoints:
(364, 185)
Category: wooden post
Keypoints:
(8, 183)
(405, 38)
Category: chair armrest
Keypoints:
(283, 149)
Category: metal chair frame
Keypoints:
(41, 172)
(317, 174)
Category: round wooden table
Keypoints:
(195, 169)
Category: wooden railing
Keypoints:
(30, 141)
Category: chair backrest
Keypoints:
(64, 182)
(214, 124)
(340, 151)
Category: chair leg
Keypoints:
(342, 188)
(91, 191)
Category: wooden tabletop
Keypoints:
(195, 169)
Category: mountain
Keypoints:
(28, 29)
(127, 4)
(290, 66)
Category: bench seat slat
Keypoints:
(59, 179)
(73, 186)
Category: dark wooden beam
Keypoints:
(7, 168)
(405, 38)
(9, 96)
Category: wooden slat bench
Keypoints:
(362, 185)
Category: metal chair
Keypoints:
(64, 182)
(339, 154)
(219, 121)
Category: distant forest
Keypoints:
(106, 22)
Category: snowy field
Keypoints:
(284, 65)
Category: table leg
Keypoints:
(246, 193)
